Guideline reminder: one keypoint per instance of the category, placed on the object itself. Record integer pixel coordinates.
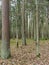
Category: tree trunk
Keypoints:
(28, 25)
(34, 26)
(31, 29)
(37, 31)
(23, 23)
(18, 22)
(5, 46)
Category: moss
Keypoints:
(5, 54)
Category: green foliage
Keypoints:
(15, 16)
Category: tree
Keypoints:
(18, 22)
(5, 46)
(37, 30)
(23, 23)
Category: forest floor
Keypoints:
(26, 55)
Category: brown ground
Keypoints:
(26, 55)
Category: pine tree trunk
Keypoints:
(5, 46)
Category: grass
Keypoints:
(28, 41)
(13, 41)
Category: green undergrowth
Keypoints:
(28, 41)
(13, 41)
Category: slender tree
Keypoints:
(18, 21)
(23, 23)
(37, 30)
(5, 46)
(28, 24)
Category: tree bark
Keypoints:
(5, 46)
(37, 31)
(28, 26)
(23, 23)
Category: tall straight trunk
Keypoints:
(23, 23)
(17, 34)
(48, 18)
(34, 26)
(13, 36)
(34, 30)
(5, 46)
(37, 30)
(18, 21)
(31, 29)
(28, 25)
(19, 17)
(47, 21)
